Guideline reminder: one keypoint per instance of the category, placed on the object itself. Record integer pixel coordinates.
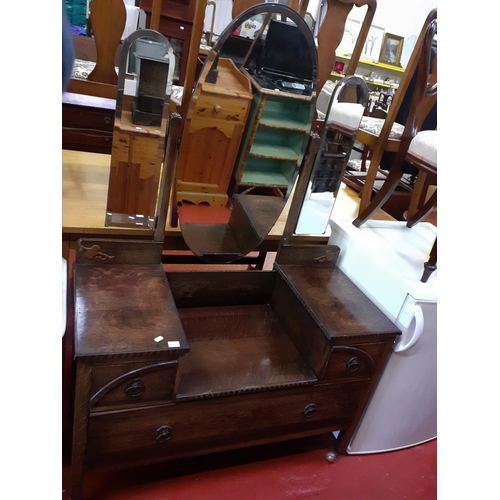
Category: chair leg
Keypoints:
(381, 197)
(430, 265)
(365, 156)
(418, 190)
(426, 209)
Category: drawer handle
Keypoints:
(163, 433)
(134, 388)
(217, 108)
(107, 120)
(353, 364)
(309, 410)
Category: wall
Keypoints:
(399, 17)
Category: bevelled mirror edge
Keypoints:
(242, 199)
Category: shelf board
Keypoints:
(277, 152)
(246, 350)
(398, 69)
(283, 123)
(263, 178)
(368, 82)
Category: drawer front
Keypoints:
(220, 107)
(354, 362)
(128, 385)
(93, 141)
(196, 427)
(85, 118)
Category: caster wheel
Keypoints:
(331, 457)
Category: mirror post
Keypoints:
(300, 190)
(167, 175)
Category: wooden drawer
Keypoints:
(220, 107)
(88, 118)
(93, 141)
(197, 427)
(354, 362)
(126, 385)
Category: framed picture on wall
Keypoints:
(351, 32)
(392, 48)
(373, 44)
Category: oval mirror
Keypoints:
(246, 132)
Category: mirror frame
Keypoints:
(210, 76)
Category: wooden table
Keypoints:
(84, 192)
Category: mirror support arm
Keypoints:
(167, 175)
(213, 72)
(300, 190)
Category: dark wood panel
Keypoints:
(339, 305)
(87, 123)
(310, 340)
(201, 288)
(132, 384)
(90, 251)
(212, 425)
(93, 141)
(354, 361)
(120, 310)
(86, 117)
(237, 349)
(309, 255)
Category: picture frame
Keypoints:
(351, 32)
(373, 44)
(392, 48)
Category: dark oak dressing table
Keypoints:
(183, 363)
(179, 364)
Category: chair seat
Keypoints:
(374, 126)
(346, 115)
(424, 147)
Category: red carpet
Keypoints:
(287, 471)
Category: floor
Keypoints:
(286, 471)
(295, 470)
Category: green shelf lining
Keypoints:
(263, 178)
(284, 123)
(277, 152)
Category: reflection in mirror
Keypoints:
(139, 130)
(341, 105)
(246, 132)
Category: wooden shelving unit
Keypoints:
(276, 135)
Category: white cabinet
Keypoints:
(385, 259)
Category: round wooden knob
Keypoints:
(217, 108)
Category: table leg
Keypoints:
(80, 426)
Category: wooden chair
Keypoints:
(382, 137)
(103, 49)
(418, 148)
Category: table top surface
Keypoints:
(85, 178)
